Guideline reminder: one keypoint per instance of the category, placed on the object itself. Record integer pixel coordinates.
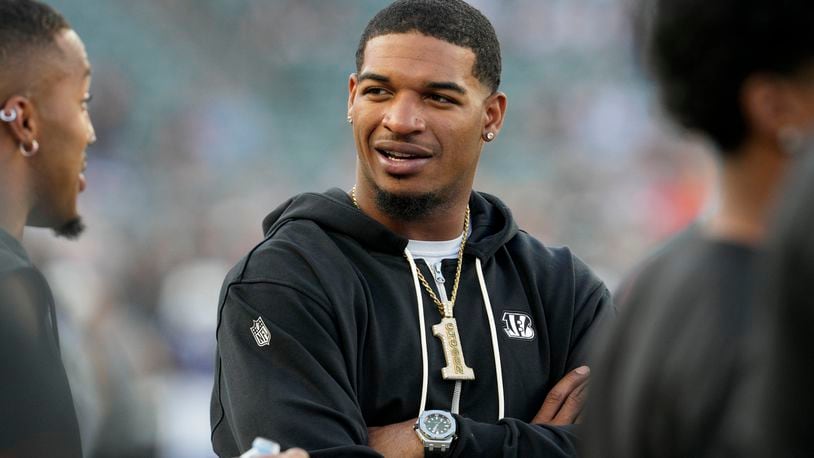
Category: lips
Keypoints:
(400, 158)
(397, 155)
(83, 183)
(402, 150)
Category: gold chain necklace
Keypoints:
(447, 329)
(445, 309)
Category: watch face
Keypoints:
(438, 425)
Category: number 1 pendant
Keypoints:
(456, 369)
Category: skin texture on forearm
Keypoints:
(396, 440)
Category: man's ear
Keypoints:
(353, 82)
(494, 113)
(25, 127)
(772, 104)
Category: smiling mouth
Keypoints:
(399, 156)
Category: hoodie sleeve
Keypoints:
(591, 309)
(594, 310)
(513, 438)
(296, 389)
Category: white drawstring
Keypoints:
(423, 337)
(456, 398)
(420, 305)
(493, 329)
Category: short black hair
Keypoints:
(453, 21)
(702, 51)
(26, 24)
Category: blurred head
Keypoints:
(45, 127)
(734, 70)
(423, 101)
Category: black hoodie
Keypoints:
(336, 292)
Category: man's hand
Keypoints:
(397, 440)
(563, 405)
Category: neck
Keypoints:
(748, 185)
(447, 226)
(13, 199)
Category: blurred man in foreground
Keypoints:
(773, 415)
(44, 130)
(742, 74)
(409, 315)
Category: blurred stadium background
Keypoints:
(209, 113)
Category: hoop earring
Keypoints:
(35, 146)
(8, 117)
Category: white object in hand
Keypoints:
(262, 447)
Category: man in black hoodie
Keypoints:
(411, 295)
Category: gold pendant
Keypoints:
(456, 369)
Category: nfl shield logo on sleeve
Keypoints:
(518, 325)
(260, 332)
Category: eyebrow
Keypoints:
(445, 85)
(448, 86)
(373, 76)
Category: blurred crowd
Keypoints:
(209, 113)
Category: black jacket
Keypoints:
(668, 373)
(37, 415)
(338, 296)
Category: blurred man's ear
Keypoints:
(773, 105)
(24, 128)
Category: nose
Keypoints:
(404, 115)
(91, 132)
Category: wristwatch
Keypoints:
(436, 430)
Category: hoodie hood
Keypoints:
(491, 221)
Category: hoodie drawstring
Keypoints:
(422, 329)
(493, 330)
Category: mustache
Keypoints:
(403, 138)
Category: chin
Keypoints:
(407, 205)
(70, 229)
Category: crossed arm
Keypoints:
(562, 406)
(304, 377)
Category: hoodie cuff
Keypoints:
(478, 439)
(513, 438)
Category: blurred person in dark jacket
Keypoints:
(741, 73)
(44, 130)
(772, 417)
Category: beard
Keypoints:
(407, 207)
(71, 229)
